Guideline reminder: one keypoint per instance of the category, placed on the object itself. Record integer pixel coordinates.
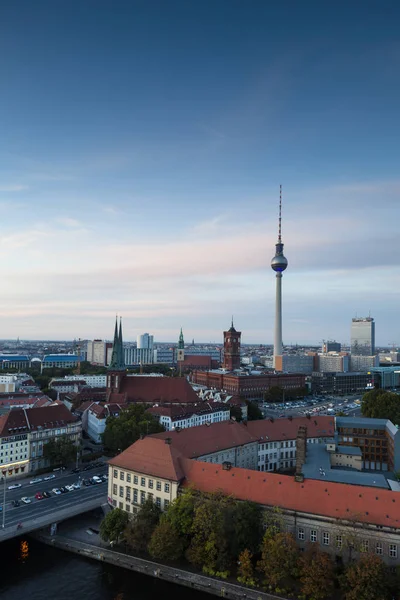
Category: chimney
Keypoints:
(301, 451)
(168, 441)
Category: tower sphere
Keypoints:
(279, 263)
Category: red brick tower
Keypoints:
(232, 349)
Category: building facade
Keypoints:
(333, 362)
(363, 362)
(294, 363)
(138, 356)
(24, 434)
(145, 341)
(363, 336)
(176, 417)
(248, 386)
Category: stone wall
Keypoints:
(217, 587)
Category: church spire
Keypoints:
(181, 342)
(117, 358)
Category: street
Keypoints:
(27, 512)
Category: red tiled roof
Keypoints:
(157, 389)
(49, 416)
(286, 429)
(204, 439)
(85, 406)
(335, 500)
(198, 360)
(151, 457)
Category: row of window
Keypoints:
(365, 545)
(150, 482)
(135, 499)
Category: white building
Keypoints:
(333, 362)
(173, 417)
(164, 355)
(362, 363)
(145, 341)
(137, 356)
(97, 352)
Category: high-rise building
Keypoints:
(145, 341)
(331, 346)
(363, 336)
(278, 264)
(232, 349)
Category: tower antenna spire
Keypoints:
(280, 214)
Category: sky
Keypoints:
(142, 145)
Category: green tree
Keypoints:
(380, 404)
(140, 529)
(366, 579)
(244, 522)
(165, 542)
(245, 568)
(253, 411)
(279, 555)
(113, 525)
(60, 450)
(317, 573)
(274, 394)
(236, 413)
(181, 511)
(209, 545)
(122, 431)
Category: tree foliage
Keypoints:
(380, 404)
(124, 430)
(140, 529)
(317, 573)
(60, 450)
(253, 411)
(279, 555)
(245, 568)
(113, 525)
(236, 413)
(181, 513)
(366, 579)
(165, 542)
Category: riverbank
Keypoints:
(196, 581)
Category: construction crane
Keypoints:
(393, 345)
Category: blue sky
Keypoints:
(142, 144)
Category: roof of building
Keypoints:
(198, 360)
(151, 457)
(68, 382)
(62, 358)
(287, 429)
(14, 357)
(361, 422)
(46, 417)
(349, 450)
(206, 439)
(155, 390)
(335, 500)
(176, 412)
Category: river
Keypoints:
(33, 571)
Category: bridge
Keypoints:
(41, 513)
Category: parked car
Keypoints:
(75, 470)
(37, 480)
(48, 477)
(46, 494)
(96, 479)
(69, 488)
(26, 500)
(63, 490)
(14, 486)
(15, 503)
(56, 491)
(39, 496)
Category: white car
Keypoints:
(37, 480)
(26, 500)
(76, 486)
(56, 491)
(14, 486)
(48, 477)
(97, 479)
(70, 488)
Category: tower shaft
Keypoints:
(278, 318)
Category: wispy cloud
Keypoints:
(69, 222)
(13, 188)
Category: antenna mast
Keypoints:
(280, 214)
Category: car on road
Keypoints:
(70, 488)
(96, 479)
(63, 490)
(26, 500)
(15, 503)
(75, 470)
(39, 496)
(46, 494)
(86, 482)
(14, 486)
(76, 486)
(56, 491)
(104, 477)
(37, 480)
(48, 477)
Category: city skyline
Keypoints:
(140, 169)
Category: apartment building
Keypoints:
(173, 417)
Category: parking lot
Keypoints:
(314, 405)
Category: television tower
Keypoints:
(278, 264)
